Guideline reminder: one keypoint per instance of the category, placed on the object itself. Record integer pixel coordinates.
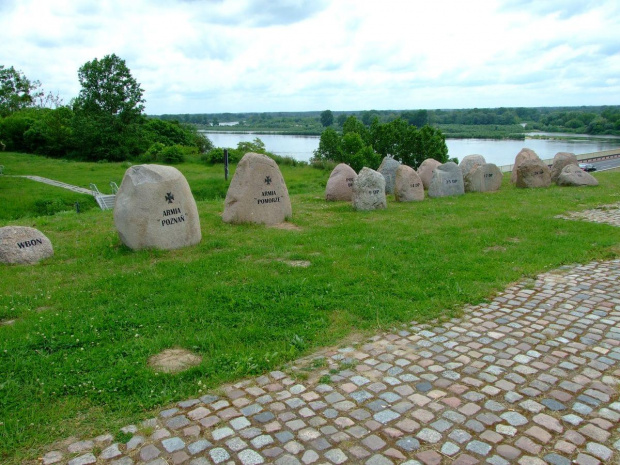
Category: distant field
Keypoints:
(85, 322)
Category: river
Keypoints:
(500, 152)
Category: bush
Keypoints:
(153, 154)
(50, 207)
(173, 154)
(216, 155)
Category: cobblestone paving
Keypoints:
(529, 378)
(609, 214)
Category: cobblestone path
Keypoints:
(529, 378)
(609, 214)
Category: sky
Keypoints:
(215, 56)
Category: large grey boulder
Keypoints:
(533, 174)
(23, 245)
(572, 175)
(340, 183)
(447, 181)
(426, 169)
(388, 169)
(483, 178)
(524, 155)
(560, 160)
(369, 191)
(408, 186)
(155, 208)
(469, 162)
(257, 193)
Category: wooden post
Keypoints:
(226, 164)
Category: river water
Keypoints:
(500, 152)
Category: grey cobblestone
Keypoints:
(528, 378)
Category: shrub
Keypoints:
(173, 154)
(153, 153)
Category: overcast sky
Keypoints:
(211, 56)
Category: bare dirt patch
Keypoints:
(174, 360)
(297, 263)
(286, 226)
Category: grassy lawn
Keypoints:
(74, 361)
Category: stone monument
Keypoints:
(533, 174)
(560, 160)
(257, 193)
(21, 245)
(155, 208)
(388, 169)
(340, 183)
(572, 175)
(524, 155)
(369, 190)
(483, 178)
(408, 186)
(469, 162)
(447, 181)
(425, 171)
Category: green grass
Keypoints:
(74, 362)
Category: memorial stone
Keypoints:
(340, 183)
(369, 190)
(388, 169)
(447, 181)
(257, 193)
(572, 175)
(469, 162)
(425, 171)
(408, 185)
(524, 155)
(483, 178)
(533, 174)
(560, 160)
(155, 208)
(21, 245)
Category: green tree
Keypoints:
(108, 111)
(16, 91)
(330, 146)
(327, 118)
(109, 88)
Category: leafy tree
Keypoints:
(327, 118)
(329, 146)
(341, 119)
(16, 91)
(51, 134)
(108, 87)
(352, 124)
(108, 111)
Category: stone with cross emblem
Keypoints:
(257, 193)
(155, 208)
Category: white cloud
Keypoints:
(240, 55)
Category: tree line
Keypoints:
(592, 120)
(105, 122)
